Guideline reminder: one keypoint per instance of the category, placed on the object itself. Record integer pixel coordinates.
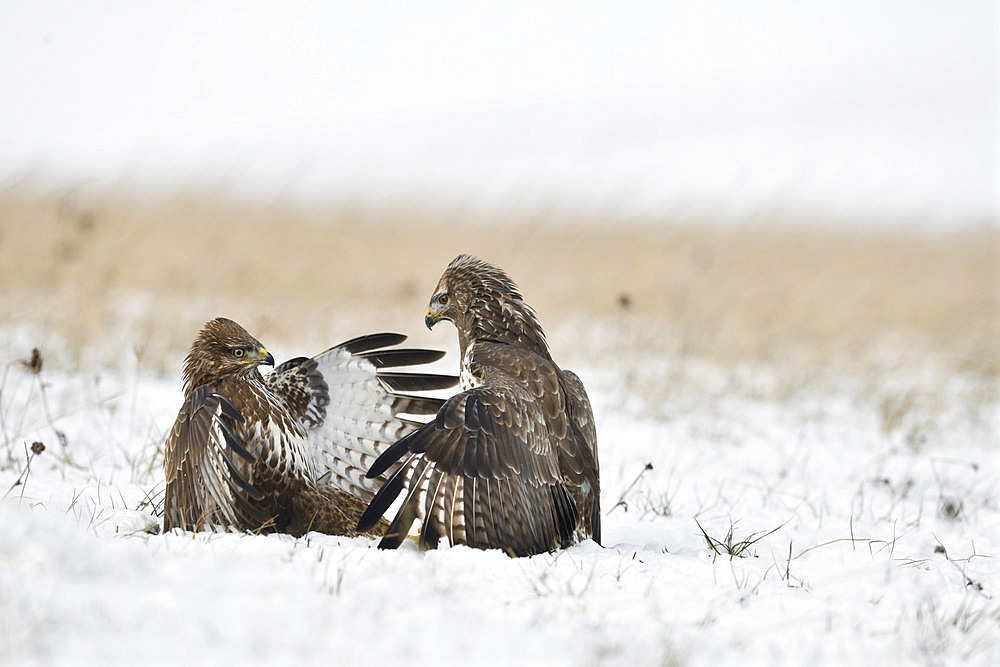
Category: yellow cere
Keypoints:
(252, 360)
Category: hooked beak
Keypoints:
(432, 318)
(265, 358)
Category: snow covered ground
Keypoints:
(872, 508)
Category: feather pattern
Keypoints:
(288, 451)
(511, 461)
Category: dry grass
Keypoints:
(81, 270)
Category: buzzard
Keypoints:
(511, 461)
(288, 451)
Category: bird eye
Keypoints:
(239, 352)
(442, 299)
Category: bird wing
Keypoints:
(205, 484)
(353, 406)
(485, 471)
(578, 459)
(301, 389)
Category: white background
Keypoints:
(851, 110)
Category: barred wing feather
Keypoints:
(357, 404)
(207, 466)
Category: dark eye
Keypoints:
(239, 352)
(442, 299)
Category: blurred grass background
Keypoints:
(96, 279)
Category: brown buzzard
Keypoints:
(509, 463)
(287, 451)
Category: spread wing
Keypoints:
(352, 404)
(204, 480)
(486, 471)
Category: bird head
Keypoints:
(456, 290)
(484, 303)
(441, 306)
(223, 349)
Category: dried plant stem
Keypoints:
(36, 449)
(621, 499)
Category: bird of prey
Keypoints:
(511, 461)
(288, 451)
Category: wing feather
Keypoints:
(417, 381)
(476, 443)
(362, 410)
(580, 455)
(370, 342)
(400, 357)
(204, 484)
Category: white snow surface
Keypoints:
(850, 110)
(879, 542)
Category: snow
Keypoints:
(878, 538)
(849, 111)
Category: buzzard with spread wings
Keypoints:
(288, 451)
(509, 463)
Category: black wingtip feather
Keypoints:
(416, 405)
(381, 502)
(225, 405)
(401, 357)
(417, 381)
(399, 528)
(411, 422)
(241, 481)
(394, 536)
(391, 541)
(430, 535)
(371, 342)
(235, 444)
(395, 452)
